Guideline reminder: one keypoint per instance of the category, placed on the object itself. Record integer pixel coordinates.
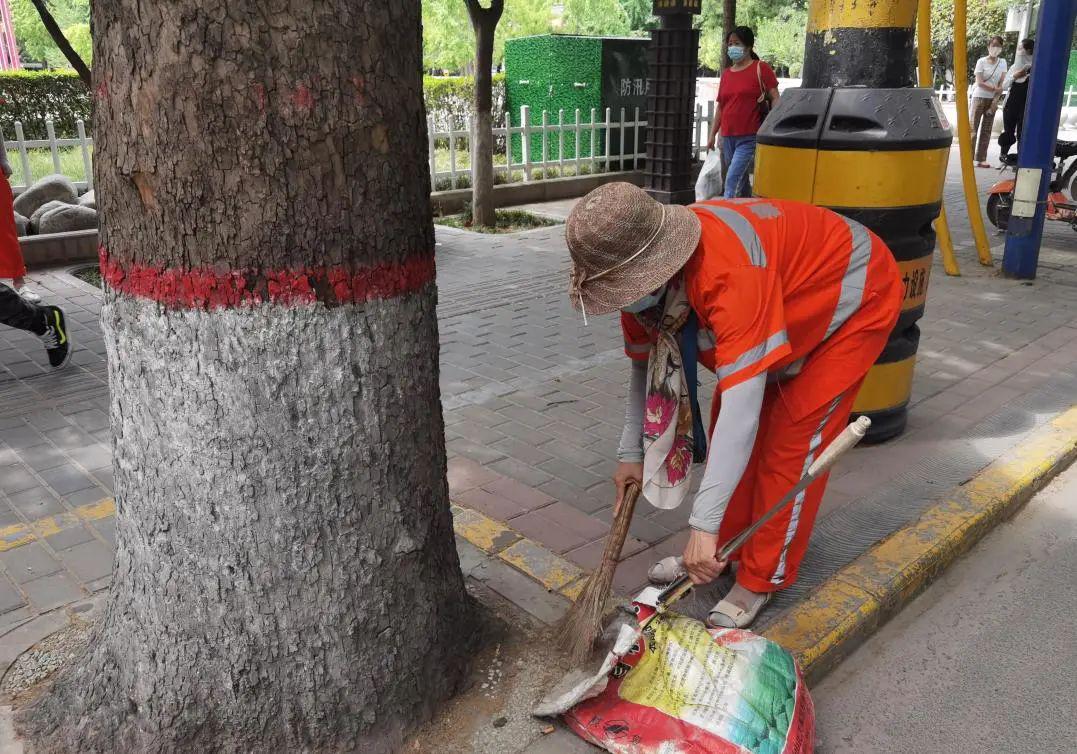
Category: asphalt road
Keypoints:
(984, 661)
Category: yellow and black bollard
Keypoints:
(875, 151)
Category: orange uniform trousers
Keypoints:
(787, 444)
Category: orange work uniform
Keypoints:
(810, 297)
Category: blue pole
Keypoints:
(1037, 148)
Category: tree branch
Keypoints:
(58, 37)
(479, 14)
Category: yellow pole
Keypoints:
(964, 136)
(923, 54)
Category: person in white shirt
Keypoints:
(1013, 112)
(990, 74)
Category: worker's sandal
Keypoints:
(666, 570)
(727, 615)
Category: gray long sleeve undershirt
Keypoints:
(730, 445)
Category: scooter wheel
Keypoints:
(998, 210)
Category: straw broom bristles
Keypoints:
(582, 625)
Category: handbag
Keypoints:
(763, 103)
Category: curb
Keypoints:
(850, 606)
(856, 601)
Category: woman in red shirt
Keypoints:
(745, 85)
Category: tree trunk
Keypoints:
(729, 20)
(286, 577)
(60, 41)
(484, 22)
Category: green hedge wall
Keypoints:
(449, 98)
(33, 97)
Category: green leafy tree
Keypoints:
(639, 15)
(78, 35)
(986, 18)
(780, 40)
(449, 42)
(597, 17)
(35, 42)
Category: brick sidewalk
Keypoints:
(533, 405)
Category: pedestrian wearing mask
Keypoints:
(990, 74)
(747, 88)
(1013, 113)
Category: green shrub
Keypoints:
(449, 100)
(33, 97)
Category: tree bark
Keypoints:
(286, 577)
(484, 22)
(729, 21)
(60, 40)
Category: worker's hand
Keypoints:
(700, 557)
(626, 472)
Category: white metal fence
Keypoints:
(530, 147)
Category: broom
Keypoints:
(583, 623)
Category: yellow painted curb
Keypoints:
(552, 571)
(839, 615)
(17, 535)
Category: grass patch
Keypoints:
(508, 221)
(91, 275)
(41, 164)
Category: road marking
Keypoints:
(17, 535)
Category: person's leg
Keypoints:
(46, 322)
(747, 150)
(742, 152)
(1007, 139)
(987, 120)
(17, 312)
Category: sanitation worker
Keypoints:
(789, 304)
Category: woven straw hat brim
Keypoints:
(667, 254)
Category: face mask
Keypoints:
(646, 302)
(994, 51)
(736, 53)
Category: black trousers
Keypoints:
(16, 312)
(1013, 116)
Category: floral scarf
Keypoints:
(668, 440)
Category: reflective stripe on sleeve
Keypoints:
(743, 230)
(855, 278)
(754, 355)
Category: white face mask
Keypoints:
(645, 303)
(994, 51)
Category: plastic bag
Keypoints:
(709, 184)
(678, 686)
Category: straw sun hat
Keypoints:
(624, 245)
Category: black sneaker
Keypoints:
(55, 337)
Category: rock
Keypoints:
(88, 200)
(50, 188)
(44, 209)
(67, 218)
(22, 225)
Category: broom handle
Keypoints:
(848, 439)
(619, 531)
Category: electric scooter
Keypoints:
(1060, 207)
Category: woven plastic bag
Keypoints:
(709, 183)
(678, 687)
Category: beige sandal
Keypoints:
(727, 615)
(666, 570)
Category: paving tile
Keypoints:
(580, 499)
(28, 562)
(559, 527)
(36, 503)
(106, 527)
(87, 496)
(10, 597)
(590, 555)
(569, 472)
(527, 498)
(17, 478)
(495, 506)
(67, 538)
(66, 479)
(465, 474)
(89, 561)
(522, 591)
(49, 592)
(521, 472)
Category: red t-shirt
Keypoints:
(738, 97)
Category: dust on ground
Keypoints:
(35, 667)
(519, 662)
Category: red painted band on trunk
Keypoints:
(211, 289)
